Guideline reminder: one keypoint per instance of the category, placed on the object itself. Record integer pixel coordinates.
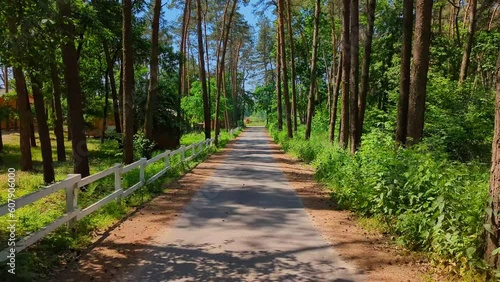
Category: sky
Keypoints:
(247, 11)
(171, 15)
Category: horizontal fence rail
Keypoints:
(74, 182)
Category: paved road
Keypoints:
(245, 224)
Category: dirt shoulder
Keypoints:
(372, 252)
(107, 258)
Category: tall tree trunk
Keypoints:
(43, 130)
(456, 25)
(227, 119)
(24, 118)
(469, 42)
(182, 60)
(493, 219)
(22, 104)
(418, 84)
(110, 74)
(226, 28)
(278, 82)
(58, 124)
(312, 75)
(32, 123)
(207, 53)
(105, 111)
(405, 70)
(234, 83)
(333, 68)
(292, 64)
(6, 79)
(440, 19)
(493, 16)
(120, 93)
(333, 114)
(365, 72)
(346, 69)
(354, 87)
(153, 80)
(286, 92)
(128, 84)
(203, 77)
(72, 77)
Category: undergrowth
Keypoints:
(428, 202)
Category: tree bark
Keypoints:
(75, 108)
(32, 123)
(182, 60)
(222, 48)
(469, 42)
(333, 68)
(205, 11)
(286, 92)
(24, 119)
(58, 124)
(110, 73)
(120, 93)
(333, 113)
(235, 83)
(6, 79)
(346, 69)
(405, 70)
(312, 75)
(365, 72)
(22, 107)
(105, 111)
(354, 87)
(43, 130)
(153, 80)
(128, 84)
(279, 105)
(493, 218)
(292, 64)
(203, 77)
(418, 84)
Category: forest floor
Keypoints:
(250, 212)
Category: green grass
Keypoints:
(38, 260)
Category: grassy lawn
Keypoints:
(52, 249)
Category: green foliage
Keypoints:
(143, 147)
(193, 105)
(432, 204)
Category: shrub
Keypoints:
(431, 203)
(143, 147)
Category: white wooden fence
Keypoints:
(74, 182)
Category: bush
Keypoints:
(431, 203)
(143, 147)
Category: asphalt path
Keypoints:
(245, 224)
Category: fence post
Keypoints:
(72, 196)
(118, 180)
(194, 150)
(167, 159)
(183, 155)
(143, 170)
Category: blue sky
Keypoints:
(171, 15)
